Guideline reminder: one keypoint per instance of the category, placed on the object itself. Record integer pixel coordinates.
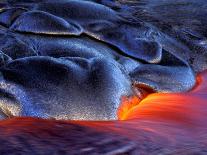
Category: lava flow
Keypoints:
(160, 123)
(180, 107)
(189, 107)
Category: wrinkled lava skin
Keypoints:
(72, 59)
(135, 61)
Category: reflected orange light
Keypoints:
(127, 103)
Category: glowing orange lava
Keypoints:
(159, 124)
(180, 107)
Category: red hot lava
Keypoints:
(159, 124)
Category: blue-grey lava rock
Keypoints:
(74, 59)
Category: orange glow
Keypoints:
(127, 103)
(159, 124)
(180, 107)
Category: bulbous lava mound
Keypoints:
(77, 60)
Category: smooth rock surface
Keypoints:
(74, 59)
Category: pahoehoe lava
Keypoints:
(76, 60)
(73, 63)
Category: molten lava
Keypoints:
(159, 124)
(181, 107)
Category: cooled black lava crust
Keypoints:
(73, 59)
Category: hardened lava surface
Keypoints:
(74, 59)
(132, 60)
